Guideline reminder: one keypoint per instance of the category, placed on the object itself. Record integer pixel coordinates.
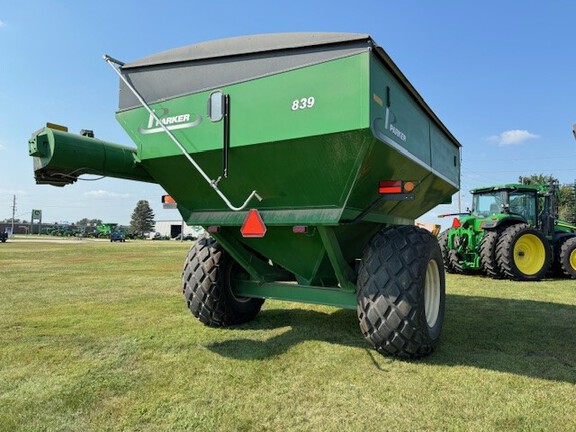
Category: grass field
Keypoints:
(96, 336)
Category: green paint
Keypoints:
(60, 157)
(298, 293)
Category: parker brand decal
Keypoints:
(180, 121)
(390, 125)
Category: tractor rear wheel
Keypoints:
(488, 261)
(523, 253)
(567, 257)
(401, 292)
(207, 284)
(454, 261)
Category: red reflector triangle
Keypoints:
(253, 225)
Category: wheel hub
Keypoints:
(529, 254)
(432, 293)
(573, 259)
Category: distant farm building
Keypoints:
(173, 228)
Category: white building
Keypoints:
(172, 228)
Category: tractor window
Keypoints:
(524, 204)
(487, 204)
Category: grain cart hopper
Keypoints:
(307, 156)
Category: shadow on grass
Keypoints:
(530, 338)
(524, 337)
(339, 327)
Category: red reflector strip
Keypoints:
(300, 229)
(390, 187)
(253, 225)
(213, 229)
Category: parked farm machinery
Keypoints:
(307, 156)
(512, 231)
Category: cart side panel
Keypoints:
(445, 156)
(300, 154)
(410, 144)
(321, 99)
(395, 115)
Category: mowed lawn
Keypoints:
(96, 336)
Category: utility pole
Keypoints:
(13, 213)
(459, 201)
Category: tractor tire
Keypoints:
(523, 253)
(454, 262)
(567, 257)
(401, 292)
(443, 242)
(207, 280)
(488, 262)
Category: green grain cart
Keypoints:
(306, 156)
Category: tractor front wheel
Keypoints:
(567, 257)
(401, 292)
(207, 284)
(523, 253)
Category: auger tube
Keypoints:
(61, 157)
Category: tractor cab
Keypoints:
(503, 202)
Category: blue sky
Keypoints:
(500, 74)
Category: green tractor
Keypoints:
(511, 232)
(104, 230)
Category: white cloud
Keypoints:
(106, 194)
(1, 146)
(2, 23)
(512, 137)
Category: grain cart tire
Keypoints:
(401, 292)
(488, 262)
(207, 280)
(567, 257)
(443, 242)
(523, 253)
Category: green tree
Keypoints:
(537, 179)
(86, 221)
(142, 219)
(567, 200)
